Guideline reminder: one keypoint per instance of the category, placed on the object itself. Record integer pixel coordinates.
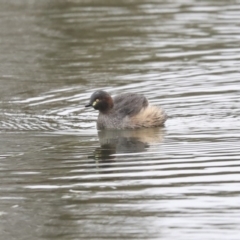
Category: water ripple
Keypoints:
(66, 179)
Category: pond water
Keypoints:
(61, 178)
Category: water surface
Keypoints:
(61, 178)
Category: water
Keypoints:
(60, 178)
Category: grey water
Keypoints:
(61, 178)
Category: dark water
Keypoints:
(60, 178)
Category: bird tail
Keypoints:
(151, 116)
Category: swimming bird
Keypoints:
(128, 110)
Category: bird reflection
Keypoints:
(125, 141)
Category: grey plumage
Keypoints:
(129, 104)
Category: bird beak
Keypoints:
(88, 105)
(92, 104)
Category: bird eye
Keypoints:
(95, 102)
